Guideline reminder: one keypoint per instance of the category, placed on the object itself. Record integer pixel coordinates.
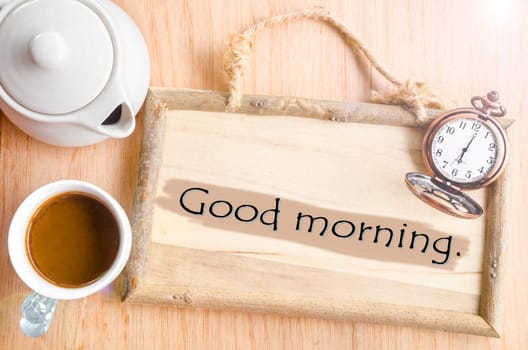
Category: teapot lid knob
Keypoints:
(48, 50)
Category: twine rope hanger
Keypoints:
(412, 95)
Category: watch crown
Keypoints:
(489, 105)
(493, 96)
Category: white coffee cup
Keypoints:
(38, 308)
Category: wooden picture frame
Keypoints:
(178, 275)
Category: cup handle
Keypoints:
(37, 314)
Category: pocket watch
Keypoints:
(463, 149)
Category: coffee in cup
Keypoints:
(72, 239)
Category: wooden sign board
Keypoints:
(300, 207)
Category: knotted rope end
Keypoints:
(415, 96)
(236, 56)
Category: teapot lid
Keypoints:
(56, 56)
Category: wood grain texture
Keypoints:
(339, 111)
(461, 48)
(493, 268)
(147, 175)
(204, 276)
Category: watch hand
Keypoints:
(465, 149)
(457, 159)
(469, 143)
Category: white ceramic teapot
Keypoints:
(72, 72)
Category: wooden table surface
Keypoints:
(461, 48)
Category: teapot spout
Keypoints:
(120, 123)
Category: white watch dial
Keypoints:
(464, 150)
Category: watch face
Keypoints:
(464, 150)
